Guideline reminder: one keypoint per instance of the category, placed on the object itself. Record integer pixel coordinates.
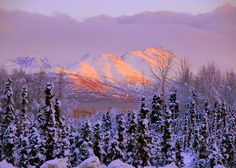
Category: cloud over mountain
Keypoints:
(203, 37)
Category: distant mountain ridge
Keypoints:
(105, 72)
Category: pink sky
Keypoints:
(62, 38)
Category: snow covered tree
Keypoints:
(49, 131)
(63, 143)
(24, 118)
(116, 147)
(8, 127)
(120, 133)
(143, 152)
(216, 119)
(156, 114)
(106, 137)
(178, 154)
(23, 151)
(131, 131)
(215, 155)
(191, 122)
(60, 123)
(206, 111)
(85, 149)
(203, 150)
(167, 139)
(97, 148)
(74, 147)
(174, 106)
(195, 140)
(228, 149)
(23, 128)
(9, 143)
(186, 130)
(224, 115)
(36, 150)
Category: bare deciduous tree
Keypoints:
(161, 70)
(185, 74)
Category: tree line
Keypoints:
(152, 136)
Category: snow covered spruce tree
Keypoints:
(25, 121)
(23, 128)
(85, 149)
(131, 131)
(174, 108)
(8, 125)
(156, 114)
(192, 123)
(167, 146)
(47, 125)
(97, 148)
(186, 130)
(179, 160)
(215, 156)
(63, 143)
(143, 151)
(156, 117)
(74, 147)
(216, 120)
(228, 150)
(36, 150)
(224, 115)
(203, 149)
(106, 137)
(116, 149)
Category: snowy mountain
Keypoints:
(107, 74)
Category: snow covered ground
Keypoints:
(93, 162)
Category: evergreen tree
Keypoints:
(156, 117)
(178, 154)
(86, 142)
(50, 134)
(167, 139)
(116, 147)
(24, 126)
(174, 108)
(120, 133)
(106, 137)
(203, 151)
(60, 121)
(63, 143)
(192, 125)
(131, 132)
(215, 156)
(97, 148)
(36, 149)
(23, 152)
(143, 148)
(216, 119)
(195, 141)
(228, 150)
(224, 114)
(207, 111)
(8, 125)
(74, 147)
(9, 143)
(24, 119)
(8, 109)
(156, 114)
(186, 131)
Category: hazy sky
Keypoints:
(81, 9)
(65, 30)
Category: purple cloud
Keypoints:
(201, 38)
